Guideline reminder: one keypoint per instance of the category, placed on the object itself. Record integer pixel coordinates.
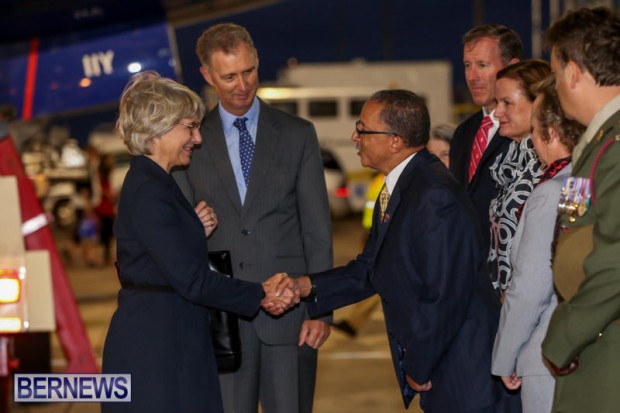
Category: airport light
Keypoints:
(11, 305)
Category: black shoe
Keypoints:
(346, 328)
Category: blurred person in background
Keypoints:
(582, 344)
(261, 170)
(160, 331)
(530, 298)
(106, 208)
(516, 172)
(439, 142)
(486, 50)
(374, 188)
(86, 235)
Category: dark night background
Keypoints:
(306, 30)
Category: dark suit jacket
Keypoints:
(425, 263)
(162, 338)
(284, 224)
(482, 188)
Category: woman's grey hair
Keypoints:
(151, 106)
(443, 132)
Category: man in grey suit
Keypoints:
(260, 169)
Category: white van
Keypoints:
(331, 96)
(333, 111)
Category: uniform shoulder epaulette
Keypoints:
(599, 135)
(616, 129)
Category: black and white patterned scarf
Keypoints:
(516, 175)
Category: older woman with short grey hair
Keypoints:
(160, 332)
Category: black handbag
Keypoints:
(224, 325)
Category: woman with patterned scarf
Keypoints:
(530, 298)
(519, 170)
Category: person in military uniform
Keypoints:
(582, 344)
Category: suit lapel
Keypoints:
(217, 150)
(389, 214)
(395, 198)
(155, 171)
(267, 138)
(468, 137)
(489, 154)
(584, 155)
(602, 131)
(183, 200)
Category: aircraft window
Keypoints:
(289, 106)
(323, 108)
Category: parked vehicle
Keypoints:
(331, 96)
(105, 142)
(337, 189)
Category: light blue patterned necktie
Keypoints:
(246, 148)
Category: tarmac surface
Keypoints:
(355, 375)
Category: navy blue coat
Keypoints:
(425, 263)
(162, 338)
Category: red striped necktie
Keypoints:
(480, 144)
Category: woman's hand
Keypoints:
(513, 382)
(207, 216)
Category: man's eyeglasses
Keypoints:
(191, 127)
(361, 132)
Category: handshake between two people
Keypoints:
(283, 292)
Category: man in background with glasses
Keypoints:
(423, 258)
(260, 169)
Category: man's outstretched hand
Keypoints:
(278, 297)
(301, 285)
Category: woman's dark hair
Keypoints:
(527, 73)
(549, 114)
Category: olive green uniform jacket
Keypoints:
(586, 272)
